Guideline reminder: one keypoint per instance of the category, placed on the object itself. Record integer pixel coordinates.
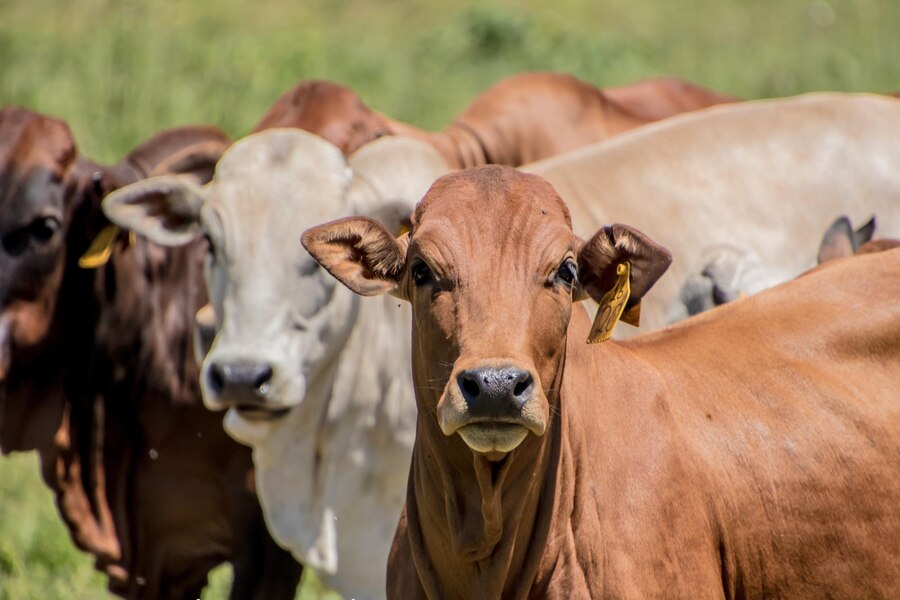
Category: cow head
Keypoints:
(329, 110)
(37, 156)
(491, 268)
(725, 273)
(279, 318)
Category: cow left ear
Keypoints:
(616, 267)
(360, 253)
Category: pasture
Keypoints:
(120, 71)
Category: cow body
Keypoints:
(145, 478)
(749, 452)
(766, 177)
(330, 419)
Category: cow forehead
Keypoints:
(29, 139)
(280, 177)
(495, 208)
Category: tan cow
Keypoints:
(766, 176)
(749, 452)
(521, 119)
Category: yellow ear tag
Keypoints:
(100, 249)
(612, 305)
(403, 229)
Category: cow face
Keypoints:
(329, 110)
(36, 158)
(491, 269)
(278, 318)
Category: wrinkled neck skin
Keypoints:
(475, 529)
(521, 130)
(331, 473)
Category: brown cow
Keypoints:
(664, 97)
(98, 375)
(521, 119)
(750, 452)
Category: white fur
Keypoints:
(347, 374)
(767, 177)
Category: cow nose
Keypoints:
(239, 377)
(495, 392)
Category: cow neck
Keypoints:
(462, 146)
(525, 132)
(478, 529)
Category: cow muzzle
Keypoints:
(493, 406)
(243, 385)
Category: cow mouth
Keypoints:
(489, 437)
(255, 412)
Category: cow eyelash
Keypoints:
(420, 273)
(567, 273)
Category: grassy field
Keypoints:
(120, 70)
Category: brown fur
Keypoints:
(145, 477)
(749, 452)
(521, 119)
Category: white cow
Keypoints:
(317, 382)
(765, 177)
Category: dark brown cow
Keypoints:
(750, 452)
(99, 376)
(521, 119)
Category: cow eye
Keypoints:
(37, 233)
(567, 272)
(43, 229)
(421, 274)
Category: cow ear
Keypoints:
(837, 241)
(165, 210)
(197, 161)
(360, 253)
(863, 234)
(616, 268)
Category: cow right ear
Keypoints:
(165, 209)
(360, 253)
(616, 267)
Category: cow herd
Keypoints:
(751, 451)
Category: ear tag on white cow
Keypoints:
(100, 249)
(612, 305)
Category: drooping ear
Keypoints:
(166, 210)
(360, 253)
(616, 267)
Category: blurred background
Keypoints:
(118, 71)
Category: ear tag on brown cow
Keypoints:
(100, 249)
(612, 305)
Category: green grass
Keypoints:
(38, 560)
(120, 70)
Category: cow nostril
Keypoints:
(216, 378)
(523, 385)
(263, 376)
(469, 386)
